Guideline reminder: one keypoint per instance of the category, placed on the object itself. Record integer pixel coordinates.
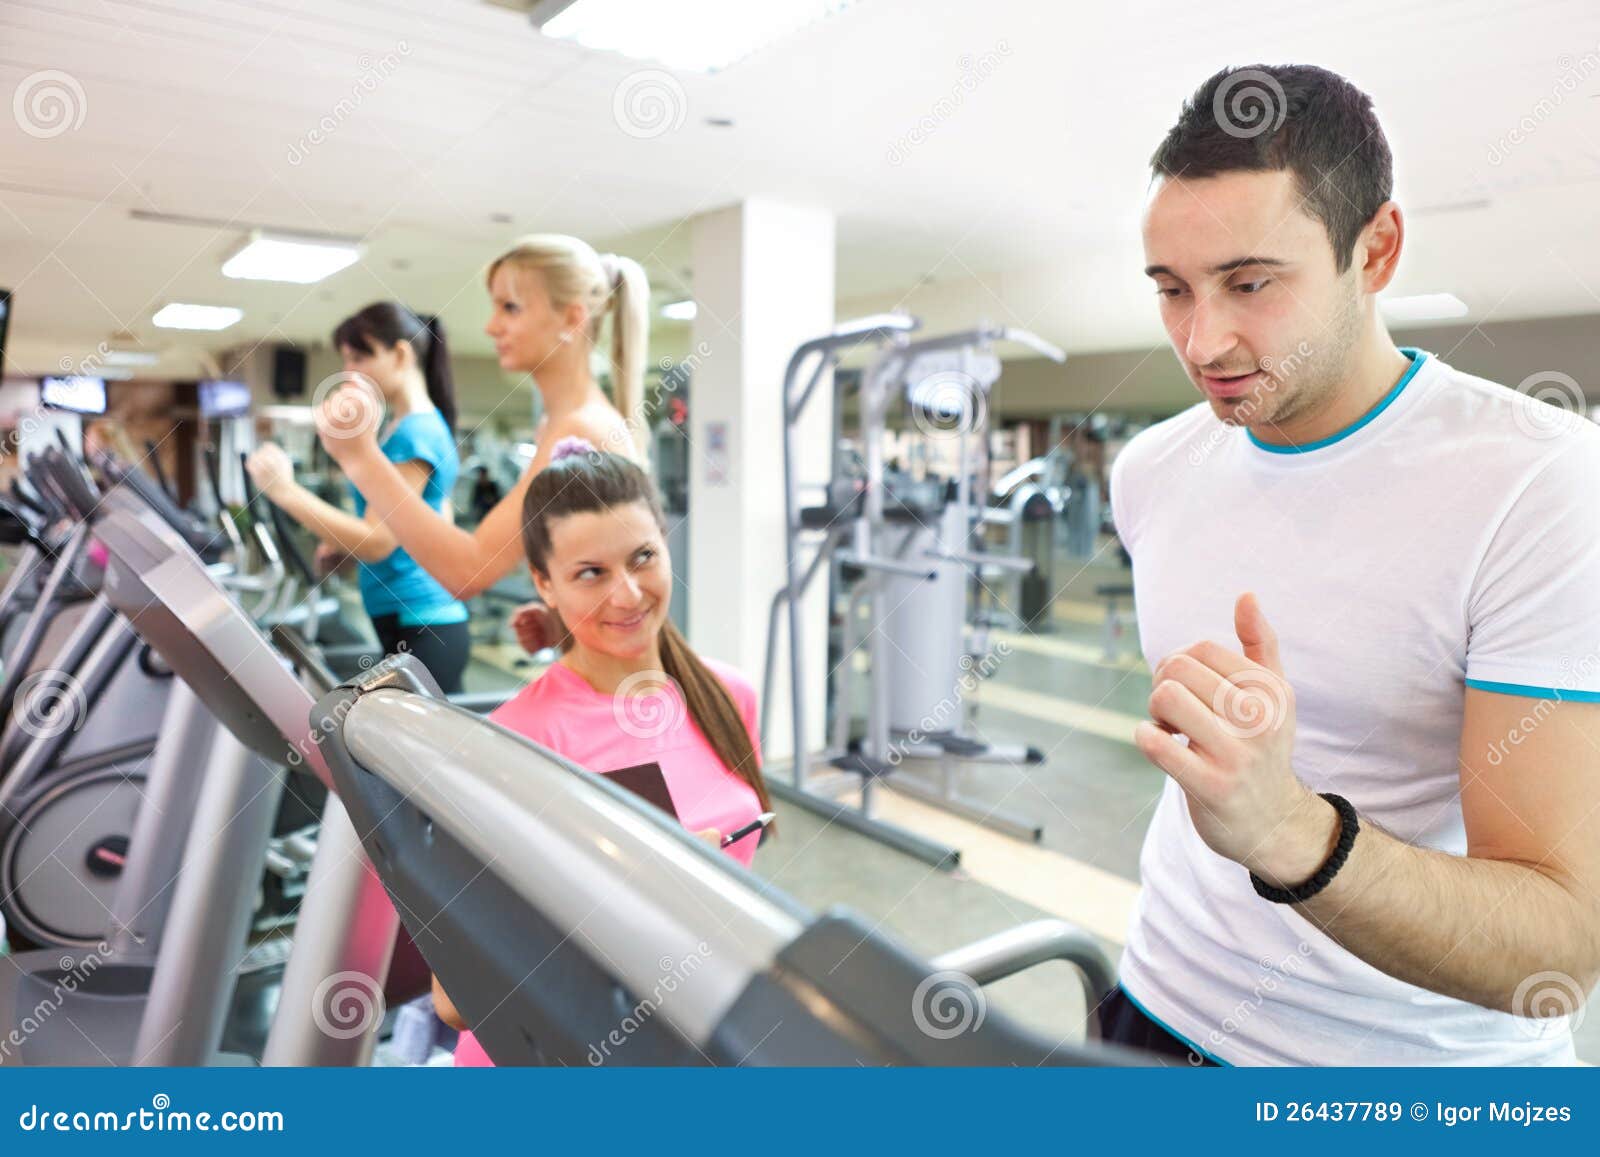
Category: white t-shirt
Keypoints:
(1447, 538)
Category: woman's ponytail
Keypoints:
(630, 338)
(713, 710)
(436, 370)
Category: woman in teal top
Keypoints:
(394, 361)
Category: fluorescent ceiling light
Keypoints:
(177, 315)
(276, 257)
(115, 375)
(131, 358)
(693, 35)
(679, 310)
(1423, 307)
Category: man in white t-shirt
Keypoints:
(1379, 841)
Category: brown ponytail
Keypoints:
(713, 710)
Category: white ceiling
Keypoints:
(1021, 204)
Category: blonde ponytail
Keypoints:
(630, 338)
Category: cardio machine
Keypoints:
(572, 924)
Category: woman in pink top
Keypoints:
(627, 690)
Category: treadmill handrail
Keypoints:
(574, 846)
(1027, 945)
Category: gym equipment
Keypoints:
(130, 1001)
(74, 778)
(573, 924)
(1027, 506)
(906, 550)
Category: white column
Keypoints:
(764, 283)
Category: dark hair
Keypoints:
(1298, 117)
(387, 324)
(597, 481)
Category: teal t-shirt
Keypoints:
(397, 585)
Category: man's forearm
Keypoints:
(1466, 927)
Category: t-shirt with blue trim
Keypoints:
(397, 585)
(1446, 540)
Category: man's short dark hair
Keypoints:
(1310, 121)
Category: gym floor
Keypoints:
(1094, 796)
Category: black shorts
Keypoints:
(442, 649)
(1123, 1022)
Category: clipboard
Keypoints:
(646, 781)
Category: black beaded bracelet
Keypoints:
(1349, 824)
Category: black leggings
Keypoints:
(442, 649)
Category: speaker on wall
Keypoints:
(288, 371)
